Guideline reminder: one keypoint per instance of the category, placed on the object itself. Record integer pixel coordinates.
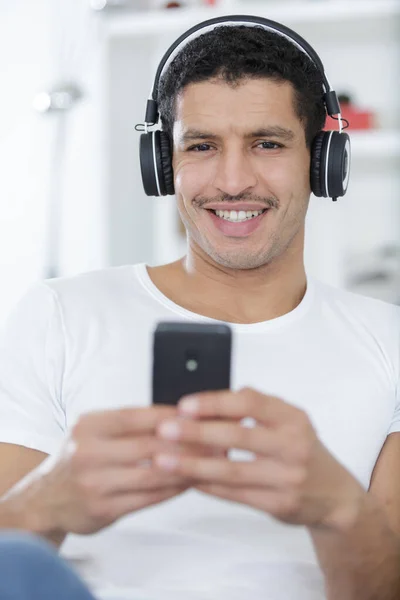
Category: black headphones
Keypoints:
(330, 151)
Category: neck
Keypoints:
(198, 284)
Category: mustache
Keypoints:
(270, 201)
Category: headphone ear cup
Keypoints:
(166, 163)
(318, 165)
(330, 164)
(156, 163)
(338, 164)
(147, 165)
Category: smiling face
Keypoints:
(241, 148)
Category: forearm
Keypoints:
(12, 518)
(360, 560)
(22, 509)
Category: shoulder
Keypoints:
(362, 322)
(92, 287)
(357, 308)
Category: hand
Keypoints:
(102, 475)
(293, 476)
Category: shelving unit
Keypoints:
(375, 144)
(127, 23)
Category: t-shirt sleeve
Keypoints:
(395, 424)
(31, 371)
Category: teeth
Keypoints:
(236, 216)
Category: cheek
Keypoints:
(287, 176)
(192, 179)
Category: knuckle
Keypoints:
(243, 436)
(301, 452)
(81, 458)
(144, 479)
(80, 427)
(305, 451)
(289, 506)
(250, 394)
(90, 487)
(77, 462)
(84, 427)
(100, 512)
(141, 447)
(303, 424)
(246, 391)
(297, 477)
(254, 403)
(302, 439)
(122, 416)
(234, 471)
(141, 478)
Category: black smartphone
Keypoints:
(190, 358)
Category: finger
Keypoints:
(279, 505)
(127, 452)
(269, 501)
(223, 434)
(123, 451)
(123, 504)
(122, 422)
(109, 482)
(265, 473)
(228, 492)
(247, 402)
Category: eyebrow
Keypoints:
(275, 131)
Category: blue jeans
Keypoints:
(30, 569)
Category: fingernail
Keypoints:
(169, 430)
(189, 406)
(166, 461)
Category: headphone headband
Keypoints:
(330, 97)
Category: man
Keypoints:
(316, 514)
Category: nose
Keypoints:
(234, 172)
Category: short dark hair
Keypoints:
(235, 53)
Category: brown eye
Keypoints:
(200, 148)
(270, 145)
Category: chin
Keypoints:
(239, 261)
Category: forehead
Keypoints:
(217, 104)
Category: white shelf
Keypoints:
(147, 23)
(375, 143)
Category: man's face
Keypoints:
(241, 149)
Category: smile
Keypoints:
(236, 223)
(235, 216)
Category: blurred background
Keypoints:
(75, 76)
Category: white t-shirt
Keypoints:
(84, 343)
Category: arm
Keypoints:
(16, 510)
(96, 477)
(362, 560)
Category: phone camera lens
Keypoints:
(192, 364)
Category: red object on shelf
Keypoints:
(180, 4)
(358, 119)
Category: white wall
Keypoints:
(43, 44)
